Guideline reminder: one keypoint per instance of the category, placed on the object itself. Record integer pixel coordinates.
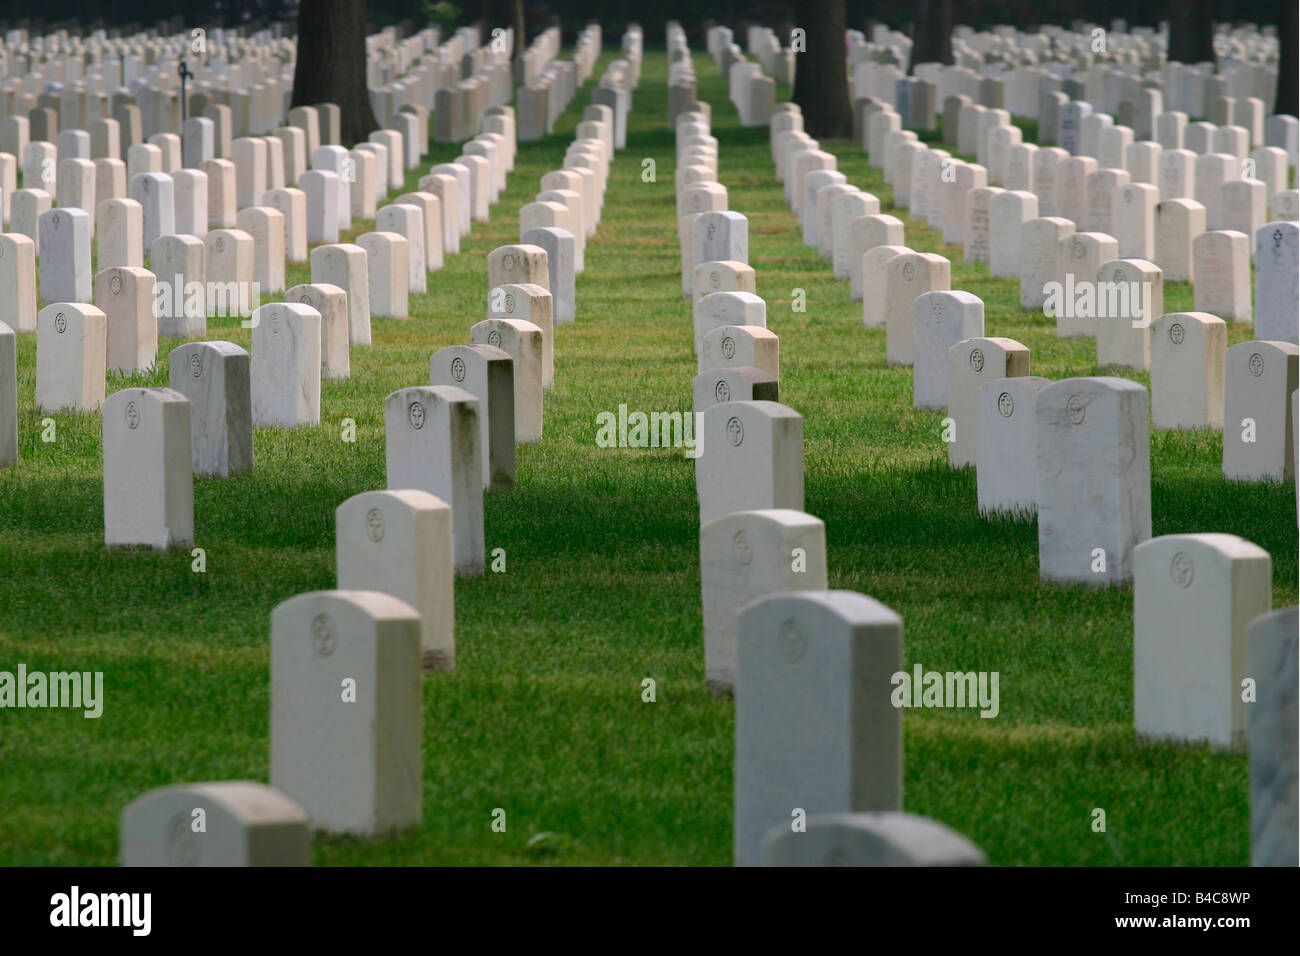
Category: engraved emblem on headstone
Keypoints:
(715, 278)
(275, 321)
(115, 285)
(1006, 405)
(1076, 408)
(322, 635)
(458, 369)
(56, 221)
(1256, 365)
(1176, 334)
(182, 842)
(1128, 196)
(60, 323)
(977, 360)
(722, 391)
(196, 364)
(711, 230)
(1182, 570)
(415, 414)
(1079, 250)
(220, 244)
(795, 643)
(909, 272)
(508, 261)
(735, 430)
(1118, 276)
(375, 525)
(741, 547)
(494, 339)
(132, 415)
(305, 299)
(728, 348)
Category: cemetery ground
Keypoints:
(544, 716)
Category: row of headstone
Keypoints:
(238, 86)
(186, 202)
(970, 375)
(1123, 221)
(445, 444)
(544, 96)
(295, 345)
(196, 278)
(1007, 68)
(951, 360)
(752, 91)
(778, 60)
(1088, 436)
(229, 269)
(398, 550)
(1077, 461)
(243, 87)
(772, 630)
(457, 437)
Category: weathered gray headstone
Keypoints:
(1271, 723)
(1258, 437)
(148, 480)
(487, 373)
(972, 362)
(816, 731)
(1277, 281)
(216, 378)
(1094, 479)
(940, 320)
(432, 443)
(286, 365)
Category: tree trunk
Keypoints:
(517, 21)
(1191, 30)
(933, 40)
(331, 65)
(1286, 64)
(821, 86)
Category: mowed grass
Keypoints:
(543, 716)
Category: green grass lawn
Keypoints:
(544, 716)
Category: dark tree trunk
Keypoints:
(1191, 30)
(821, 87)
(331, 65)
(517, 22)
(933, 40)
(1286, 64)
